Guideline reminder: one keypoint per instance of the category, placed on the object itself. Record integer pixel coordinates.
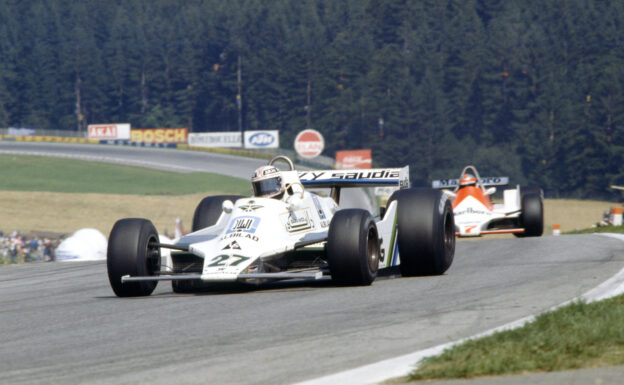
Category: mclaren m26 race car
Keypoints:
(475, 214)
(285, 231)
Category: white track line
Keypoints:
(403, 365)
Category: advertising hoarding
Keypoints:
(215, 139)
(349, 159)
(113, 131)
(262, 139)
(159, 135)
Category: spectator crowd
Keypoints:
(22, 248)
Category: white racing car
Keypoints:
(475, 214)
(285, 231)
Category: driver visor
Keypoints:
(267, 187)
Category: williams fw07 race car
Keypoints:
(521, 213)
(285, 231)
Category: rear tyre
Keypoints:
(206, 214)
(132, 251)
(532, 217)
(426, 231)
(353, 247)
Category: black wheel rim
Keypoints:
(152, 256)
(372, 245)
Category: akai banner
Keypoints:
(215, 139)
(159, 135)
(109, 131)
(349, 159)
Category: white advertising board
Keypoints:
(215, 139)
(109, 131)
(262, 139)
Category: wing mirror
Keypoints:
(490, 191)
(227, 206)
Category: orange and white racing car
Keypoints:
(521, 213)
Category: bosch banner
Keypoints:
(159, 135)
(262, 139)
(114, 131)
(354, 159)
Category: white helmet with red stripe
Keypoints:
(267, 182)
(468, 180)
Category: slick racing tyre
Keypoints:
(209, 209)
(532, 217)
(353, 247)
(206, 214)
(426, 231)
(132, 251)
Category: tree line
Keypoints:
(532, 90)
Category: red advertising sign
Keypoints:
(350, 159)
(159, 135)
(309, 143)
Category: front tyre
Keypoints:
(426, 231)
(353, 247)
(532, 217)
(132, 251)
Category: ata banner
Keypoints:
(109, 131)
(215, 139)
(350, 159)
(262, 139)
(159, 135)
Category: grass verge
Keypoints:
(62, 195)
(35, 173)
(602, 229)
(575, 336)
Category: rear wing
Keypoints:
(373, 177)
(489, 181)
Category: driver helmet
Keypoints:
(467, 180)
(266, 182)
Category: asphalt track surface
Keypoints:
(61, 323)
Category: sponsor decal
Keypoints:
(159, 135)
(246, 224)
(240, 235)
(470, 210)
(250, 206)
(309, 143)
(297, 220)
(232, 246)
(319, 208)
(376, 174)
(262, 139)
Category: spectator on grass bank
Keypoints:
(48, 250)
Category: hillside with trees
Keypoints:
(532, 90)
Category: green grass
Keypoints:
(35, 173)
(574, 336)
(603, 229)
